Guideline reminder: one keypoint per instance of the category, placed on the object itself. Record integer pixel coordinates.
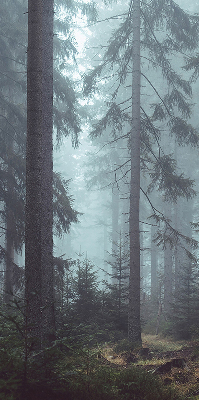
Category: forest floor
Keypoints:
(176, 362)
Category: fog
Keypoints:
(125, 156)
(92, 236)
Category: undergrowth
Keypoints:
(76, 374)
(69, 370)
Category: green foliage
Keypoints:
(11, 353)
(85, 300)
(166, 30)
(134, 384)
(113, 119)
(184, 132)
(164, 175)
(111, 384)
(68, 371)
(86, 313)
(123, 345)
(192, 63)
(64, 214)
(184, 318)
(13, 45)
(117, 294)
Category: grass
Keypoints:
(184, 382)
(164, 344)
(104, 373)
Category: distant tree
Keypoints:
(85, 303)
(154, 280)
(119, 287)
(134, 331)
(13, 125)
(168, 264)
(184, 306)
(144, 127)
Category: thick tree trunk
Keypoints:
(48, 317)
(134, 331)
(39, 214)
(125, 238)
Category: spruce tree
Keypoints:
(134, 330)
(179, 32)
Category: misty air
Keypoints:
(99, 243)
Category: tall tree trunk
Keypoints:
(153, 265)
(178, 218)
(8, 287)
(115, 227)
(168, 267)
(8, 281)
(48, 316)
(178, 252)
(134, 329)
(125, 224)
(142, 277)
(39, 167)
(105, 224)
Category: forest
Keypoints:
(99, 246)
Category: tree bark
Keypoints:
(8, 289)
(8, 283)
(168, 267)
(153, 265)
(39, 290)
(115, 227)
(134, 328)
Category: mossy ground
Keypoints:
(110, 371)
(184, 381)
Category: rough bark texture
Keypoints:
(134, 329)
(39, 169)
(48, 318)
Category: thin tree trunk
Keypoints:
(115, 228)
(8, 284)
(142, 277)
(153, 265)
(134, 329)
(8, 296)
(178, 252)
(105, 224)
(168, 266)
(38, 240)
(158, 317)
(10, 222)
